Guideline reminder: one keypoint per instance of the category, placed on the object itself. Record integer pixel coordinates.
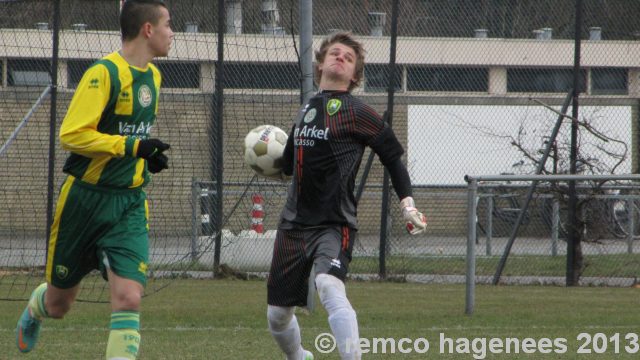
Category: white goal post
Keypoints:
(472, 199)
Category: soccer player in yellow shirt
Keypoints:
(101, 217)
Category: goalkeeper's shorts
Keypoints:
(98, 228)
(295, 251)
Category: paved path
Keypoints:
(250, 249)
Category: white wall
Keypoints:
(446, 142)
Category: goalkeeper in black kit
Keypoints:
(318, 224)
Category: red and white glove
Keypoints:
(416, 222)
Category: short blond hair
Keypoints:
(345, 38)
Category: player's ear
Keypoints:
(146, 30)
(320, 70)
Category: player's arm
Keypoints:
(386, 145)
(79, 131)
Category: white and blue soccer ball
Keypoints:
(263, 148)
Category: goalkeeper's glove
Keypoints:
(152, 151)
(416, 222)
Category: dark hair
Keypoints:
(136, 13)
(345, 38)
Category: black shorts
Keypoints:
(295, 251)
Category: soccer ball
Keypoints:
(263, 148)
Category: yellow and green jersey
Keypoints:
(114, 106)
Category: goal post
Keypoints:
(473, 182)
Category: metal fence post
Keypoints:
(306, 49)
(471, 246)
(53, 116)
(632, 225)
(555, 226)
(489, 224)
(195, 218)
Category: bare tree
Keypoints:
(597, 153)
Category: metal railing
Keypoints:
(472, 201)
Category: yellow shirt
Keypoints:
(114, 105)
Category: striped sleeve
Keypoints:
(79, 131)
(377, 134)
(381, 138)
(368, 123)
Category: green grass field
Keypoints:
(617, 265)
(606, 265)
(225, 319)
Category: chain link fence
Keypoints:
(477, 90)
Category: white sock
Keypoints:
(284, 328)
(342, 317)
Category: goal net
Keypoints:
(536, 244)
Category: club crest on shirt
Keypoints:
(142, 267)
(144, 95)
(311, 114)
(62, 271)
(333, 106)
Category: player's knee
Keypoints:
(332, 293)
(57, 308)
(58, 302)
(329, 286)
(126, 300)
(279, 317)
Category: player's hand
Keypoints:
(157, 163)
(416, 222)
(150, 147)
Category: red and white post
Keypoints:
(257, 213)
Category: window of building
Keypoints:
(185, 75)
(261, 76)
(376, 78)
(75, 70)
(609, 81)
(422, 78)
(28, 72)
(542, 80)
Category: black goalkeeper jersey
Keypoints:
(323, 153)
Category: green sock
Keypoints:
(36, 302)
(124, 338)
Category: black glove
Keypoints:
(157, 162)
(149, 148)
